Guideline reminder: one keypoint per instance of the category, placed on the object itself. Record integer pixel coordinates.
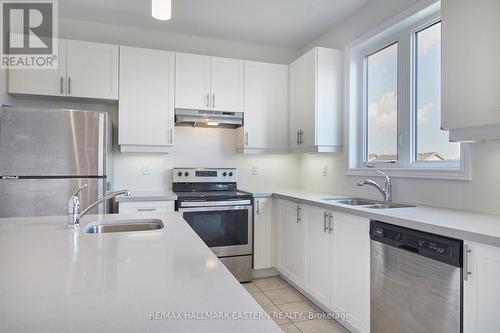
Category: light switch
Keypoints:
(146, 169)
(255, 169)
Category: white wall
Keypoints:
(194, 147)
(481, 194)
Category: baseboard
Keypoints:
(262, 273)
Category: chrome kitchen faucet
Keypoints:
(386, 191)
(74, 214)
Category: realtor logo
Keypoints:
(29, 34)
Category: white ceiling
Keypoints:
(285, 23)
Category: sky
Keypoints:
(382, 98)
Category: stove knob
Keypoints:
(224, 174)
(397, 237)
(230, 174)
(186, 174)
(179, 174)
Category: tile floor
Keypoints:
(289, 308)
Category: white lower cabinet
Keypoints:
(146, 207)
(318, 242)
(290, 241)
(481, 288)
(327, 254)
(350, 273)
(263, 233)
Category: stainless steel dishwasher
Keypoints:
(416, 281)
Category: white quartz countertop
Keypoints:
(139, 196)
(54, 279)
(483, 228)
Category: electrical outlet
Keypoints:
(324, 170)
(255, 169)
(146, 169)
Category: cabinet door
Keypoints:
(351, 269)
(92, 70)
(471, 70)
(481, 289)
(192, 81)
(302, 100)
(146, 207)
(317, 251)
(227, 84)
(146, 106)
(291, 241)
(263, 233)
(50, 82)
(266, 106)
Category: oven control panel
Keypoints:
(205, 175)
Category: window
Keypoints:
(381, 105)
(431, 143)
(394, 102)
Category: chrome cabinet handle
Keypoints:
(298, 138)
(62, 85)
(208, 100)
(298, 214)
(246, 139)
(325, 227)
(258, 206)
(69, 85)
(213, 100)
(466, 271)
(171, 136)
(301, 137)
(330, 223)
(146, 209)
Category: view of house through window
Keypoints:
(431, 142)
(381, 104)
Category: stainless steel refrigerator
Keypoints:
(45, 155)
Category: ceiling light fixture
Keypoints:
(161, 9)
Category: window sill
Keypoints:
(421, 173)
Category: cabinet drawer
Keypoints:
(146, 207)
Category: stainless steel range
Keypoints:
(209, 201)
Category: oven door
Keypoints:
(227, 230)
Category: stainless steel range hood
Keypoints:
(205, 118)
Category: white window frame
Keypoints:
(402, 30)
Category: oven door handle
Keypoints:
(212, 209)
(214, 203)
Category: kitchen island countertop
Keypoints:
(56, 279)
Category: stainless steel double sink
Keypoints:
(365, 203)
(107, 226)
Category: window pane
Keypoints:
(432, 142)
(382, 101)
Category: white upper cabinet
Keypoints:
(208, 83)
(192, 81)
(481, 288)
(266, 108)
(88, 70)
(227, 82)
(50, 82)
(263, 233)
(146, 106)
(471, 70)
(92, 70)
(315, 102)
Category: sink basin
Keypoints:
(354, 201)
(389, 205)
(123, 226)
